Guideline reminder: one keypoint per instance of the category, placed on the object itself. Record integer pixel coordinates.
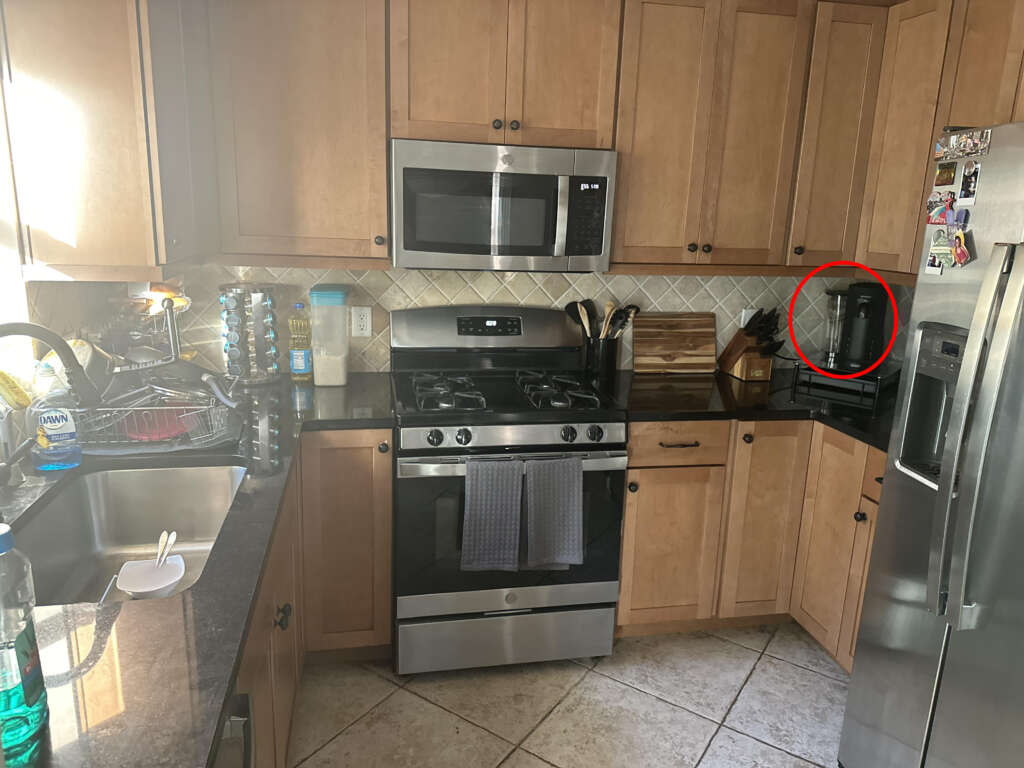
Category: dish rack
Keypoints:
(155, 420)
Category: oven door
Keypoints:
(429, 513)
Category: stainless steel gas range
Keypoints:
(497, 383)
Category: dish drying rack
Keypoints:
(155, 419)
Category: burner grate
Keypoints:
(555, 390)
(440, 392)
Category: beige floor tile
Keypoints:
(604, 724)
(793, 644)
(754, 638)
(331, 697)
(730, 749)
(696, 671)
(792, 708)
(508, 701)
(409, 732)
(521, 759)
(387, 671)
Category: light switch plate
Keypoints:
(361, 321)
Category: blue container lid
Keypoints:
(6, 538)
(328, 295)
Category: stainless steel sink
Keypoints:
(79, 540)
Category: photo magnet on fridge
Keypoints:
(940, 208)
(961, 250)
(940, 250)
(969, 182)
(945, 173)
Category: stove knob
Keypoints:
(435, 437)
(463, 436)
(595, 433)
(568, 433)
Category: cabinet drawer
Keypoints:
(678, 443)
(875, 469)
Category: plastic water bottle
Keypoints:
(300, 349)
(51, 419)
(23, 710)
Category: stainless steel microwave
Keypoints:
(507, 208)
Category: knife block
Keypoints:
(742, 359)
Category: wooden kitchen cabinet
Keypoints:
(505, 71)
(299, 92)
(670, 544)
(768, 473)
(346, 537)
(874, 473)
(828, 529)
(900, 158)
(841, 88)
(853, 602)
(78, 128)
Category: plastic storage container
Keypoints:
(330, 335)
(23, 709)
(51, 421)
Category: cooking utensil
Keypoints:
(631, 310)
(609, 308)
(591, 308)
(161, 543)
(572, 309)
(139, 578)
(167, 550)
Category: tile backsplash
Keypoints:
(399, 288)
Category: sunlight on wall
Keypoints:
(16, 353)
(50, 142)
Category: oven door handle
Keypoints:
(410, 468)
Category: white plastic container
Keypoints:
(330, 335)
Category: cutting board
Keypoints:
(674, 342)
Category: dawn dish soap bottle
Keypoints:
(23, 707)
(51, 419)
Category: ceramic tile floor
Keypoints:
(765, 697)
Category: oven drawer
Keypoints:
(678, 443)
(429, 646)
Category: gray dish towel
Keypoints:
(490, 528)
(554, 513)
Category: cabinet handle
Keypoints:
(860, 517)
(706, 247)
(497, 124)
(694, 444)
(514, 125)
(692, 247)
(748, 438)
(799, 250)
(633, 487)
(284, 614)
(879, 480)
(380, 240)
(383, 447)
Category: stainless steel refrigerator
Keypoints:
(938, 677)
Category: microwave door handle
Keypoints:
(977, 339)
(961, 614)
(562, 216)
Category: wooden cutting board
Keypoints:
(674, 342)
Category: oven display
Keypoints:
(950, 349)
(490, 326)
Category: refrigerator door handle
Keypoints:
(961, 614)
(971, 367)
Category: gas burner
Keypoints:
(441, 392)
(555, 390)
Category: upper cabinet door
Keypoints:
(988, 65)
(300, 112)
(763, 50)
(563, 58)
(448, 69)
(901, 141)
(668, 71)
(77, 121)
(841, 88)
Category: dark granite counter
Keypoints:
(364, 403)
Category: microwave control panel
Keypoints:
(490, 326)
(584, 235)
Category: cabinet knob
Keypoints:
(859, 516)
(284, 615)
(380, 240)
(633, 487)
(383, 447)
(514, 125)
(706, 247)
(748, 438)
(799, 250)
(692, 247)
(497, 124)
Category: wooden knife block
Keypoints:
(742, 359)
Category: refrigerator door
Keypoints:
(903, 628)
(980, 705)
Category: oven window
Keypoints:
(428, 538)
(527, 214)
(447, 211)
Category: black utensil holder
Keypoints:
(602, 362)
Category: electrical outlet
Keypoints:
(361, 321)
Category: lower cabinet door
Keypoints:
(835, 472)
(673, 519)
(854, 603)
(284, 643)
(255, 679)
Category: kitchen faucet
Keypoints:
(81, 386)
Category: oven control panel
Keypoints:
(510, 435)
(490, 326)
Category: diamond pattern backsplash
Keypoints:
(399, 288)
